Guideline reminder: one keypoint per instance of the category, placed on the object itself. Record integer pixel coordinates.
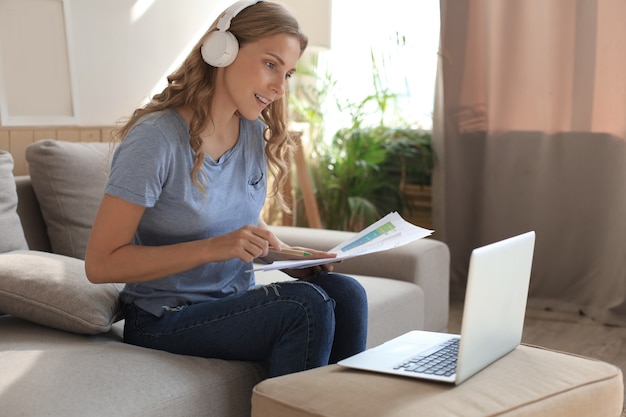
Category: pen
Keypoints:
(295, 252)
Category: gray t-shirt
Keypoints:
(151, 168)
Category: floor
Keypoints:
(565, 332)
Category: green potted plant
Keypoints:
(364, 171)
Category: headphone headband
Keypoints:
(221, 46)
(224, 23)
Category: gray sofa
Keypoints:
(61, 349)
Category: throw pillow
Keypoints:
(10, 225)
(69, 180)
(53, 290)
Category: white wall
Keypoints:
(120, 54)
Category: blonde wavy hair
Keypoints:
(192, 85)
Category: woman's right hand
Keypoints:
(246, 243)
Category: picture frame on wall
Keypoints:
(36, 61)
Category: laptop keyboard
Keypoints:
(442, 362)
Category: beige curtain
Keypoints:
(530, 134)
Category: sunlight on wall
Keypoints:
(139, 9)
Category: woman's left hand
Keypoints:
(306, 274)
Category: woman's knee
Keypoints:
(342, 287)
(311, 296)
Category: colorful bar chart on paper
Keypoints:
(379, 231)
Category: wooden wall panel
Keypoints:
(17, 139)
(18, 142)
(4, 140)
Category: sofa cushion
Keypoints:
(69, 180)
(45, 372)
(53, 290)
(10, 225)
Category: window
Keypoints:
(408, 71)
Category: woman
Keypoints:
(180, 219)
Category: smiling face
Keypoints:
(259, 74)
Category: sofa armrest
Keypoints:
(425, 262)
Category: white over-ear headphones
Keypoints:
(220, 47)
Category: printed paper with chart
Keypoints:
(389, 232)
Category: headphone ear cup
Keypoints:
(220, 48)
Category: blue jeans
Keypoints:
(293, 325)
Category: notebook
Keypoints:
(492, 322)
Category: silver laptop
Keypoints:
(492, 323)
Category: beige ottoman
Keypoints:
(530, 381)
